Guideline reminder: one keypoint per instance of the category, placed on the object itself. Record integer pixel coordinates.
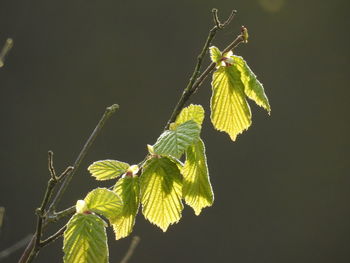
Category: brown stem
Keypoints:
(35, 244)
(52, 238)
(107, 114)
(134, 242)
(194, 85)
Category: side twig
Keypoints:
(59, 215)
(18, 245)
(239, 39)
(108, 113)
(188, 91)
(41, 210)
(5, 50)
(134, 242)
(49, 216)
(53, 237)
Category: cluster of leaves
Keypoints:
(161, 182)
(233, 80)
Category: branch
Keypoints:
(41, 210)
(35, 243)
(2, 212)
(59, 215)
(108, 113)
(50, 165)
(194, 83)
(5, 50)
(239, 39)
(52, 238)
(134, 242)
(188, 91)
(18, 245)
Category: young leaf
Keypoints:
(85, 240)
(104, 202)
(161, 191)
(252, 86)
(192, 112)
(107, 169)
(175, 142)
(128, 189)
(197, 190)
(215, 54)
(81, 207)
(230, 111)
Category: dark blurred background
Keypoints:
(281, 190)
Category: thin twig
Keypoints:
(229, 19)
(41, 210)
(191, 88)
(59, 215)
(5, 50)
(134, 242)
(239, 39)
(52, 238)
(68, 170)
(18, 245)
(216, 18)
(28, 250)
(2, 212)
(34, 245)
(50, 165)
(107, 114)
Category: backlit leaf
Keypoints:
(107, 169)
(215, 54)
(192, 112)
(197, 190)
(85, 240)
(129, 190)
(230, 111)
(252, 86)
(161, 192)
(175, 142)
(104, 202)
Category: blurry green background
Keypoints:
(282, 190)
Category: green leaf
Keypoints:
(192, 112)
(176, 141)
(252, 86)
(104, 202)
(176, 161)
(197, 190)
(230, 111)
(128, 189)
(215, 54)
(161, 191)
(107, 169)
(85, 240)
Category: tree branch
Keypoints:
(108, 113)
(41, 210)
(18, 245)
(35, 243)
(134, 242)
(239, 39)
(194, 83)
(188, 91)
(52, 238)
(59, 215)
(5, 50)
